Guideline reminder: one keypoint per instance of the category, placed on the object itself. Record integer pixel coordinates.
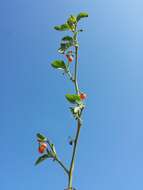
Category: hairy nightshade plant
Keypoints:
(69, 48)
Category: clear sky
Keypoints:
(110, 155)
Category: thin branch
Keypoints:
(62, 165)
(69, 75)
(76, 70)
(55, 157)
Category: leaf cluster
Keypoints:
(70, 25)
(71, 22)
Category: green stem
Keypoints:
(62, 165)
(76, 70)
(78, 121)
(73, 155)
(55, 157)
(69, 75)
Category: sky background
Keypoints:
(110, 155)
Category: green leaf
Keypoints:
(73, 98)
(67, 38)
(63, 27)
(81, 15)
(64, 47)
(72, 22)
(41, 137)
(42, 158)
(58, 64)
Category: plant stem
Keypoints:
(74, 153)
(55, 157)
(62, 165)
(69, 75)
(76, 70)
(78, 120)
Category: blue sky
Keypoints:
(110, 155)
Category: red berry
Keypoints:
(70, 58)
(82, 96)
(42, 147)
